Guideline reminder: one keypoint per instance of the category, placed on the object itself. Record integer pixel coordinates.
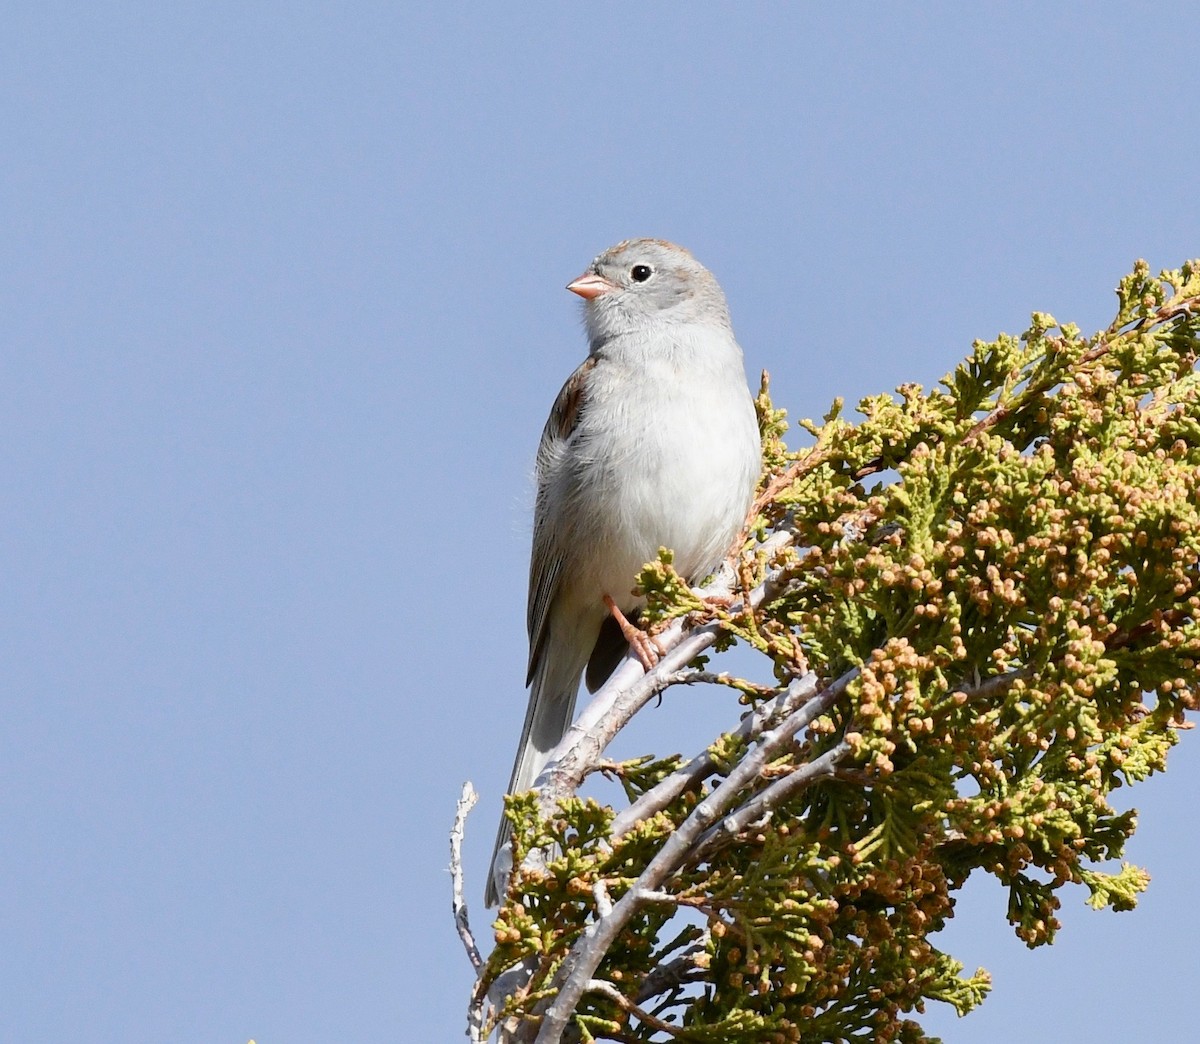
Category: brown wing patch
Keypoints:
(570, 401)
(546, 561)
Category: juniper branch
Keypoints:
(585, 957)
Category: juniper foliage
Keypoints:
(1005, 569)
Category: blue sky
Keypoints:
(282, 320)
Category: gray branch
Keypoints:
(466, 801)
(760, 807)
(689, 776)
(576, 975)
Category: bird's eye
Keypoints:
(640, 273)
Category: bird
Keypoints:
(652, 442)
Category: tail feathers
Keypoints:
(551, 706)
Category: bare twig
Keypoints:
(477, 1011)
(688, 776)
(996, 685)
(674, 973)
(602, 899)
(691, 676)
(466, 801)
(813, 458)
(626, 1005)
(766, 801)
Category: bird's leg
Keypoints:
(644, 647)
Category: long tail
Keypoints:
(551, 705)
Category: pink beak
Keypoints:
(590, 285)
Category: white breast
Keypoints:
(666, 455)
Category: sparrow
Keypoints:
(652, 442)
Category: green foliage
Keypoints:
(1012, 561)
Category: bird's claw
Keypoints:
(645, 646)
